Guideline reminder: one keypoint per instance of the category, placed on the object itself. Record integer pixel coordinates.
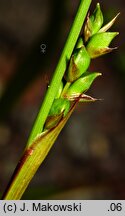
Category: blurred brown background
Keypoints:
(88, 159)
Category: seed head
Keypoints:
(98, 44)
(81, 85)
(93, 23)
(78, 65)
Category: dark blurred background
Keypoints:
(88, 159)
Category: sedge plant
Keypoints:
(68, 87)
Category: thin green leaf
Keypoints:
(32, 158)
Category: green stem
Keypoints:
(60, 69)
